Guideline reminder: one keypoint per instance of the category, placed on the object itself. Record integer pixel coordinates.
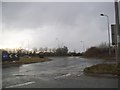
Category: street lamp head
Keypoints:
(102, 14)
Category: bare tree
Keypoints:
(41, 49)
(46, 49)
(35, 49)
(50, 50)
(103, 45)
(53, 50)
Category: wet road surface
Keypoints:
(60, 72)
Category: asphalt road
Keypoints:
(60, 72)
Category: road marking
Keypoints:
(19, 75)
(23, 74)
(62, 76)
(18, 85)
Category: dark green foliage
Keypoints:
(62, 51)
(41, 55)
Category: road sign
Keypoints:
(113, 32)
(10, 55)
(115, 38)
(16, 55)
(5, 56)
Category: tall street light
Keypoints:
(58, 42)
(83, 45)
(108, 31)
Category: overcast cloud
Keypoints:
(44, 24)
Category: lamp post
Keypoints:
(108, 32)
(58, 42)
(83, 45)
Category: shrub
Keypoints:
(100, 51)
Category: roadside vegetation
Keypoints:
(103, 69)
(101, 52)
(22, 56)
(25, 60)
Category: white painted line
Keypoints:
(23, 74)
(62, 76)
(18, 85)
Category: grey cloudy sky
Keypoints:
(43, 24)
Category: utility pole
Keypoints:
(118, 31)
(58, 42)
(83, 45)
(28, 45)
(108, 32)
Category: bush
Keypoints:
(103, 69)
(100, 51)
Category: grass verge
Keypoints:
(112, 69)
(25, 61)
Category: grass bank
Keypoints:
(24, 60)
(100, 52)
(103, 69)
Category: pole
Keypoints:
(108, 35)
(58, 42)
(83, 45)
(118, 31)
(109, 51)
(28, 45)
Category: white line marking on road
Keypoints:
(18, 85)
(18, 74)
(62, 76)
(23, 74)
